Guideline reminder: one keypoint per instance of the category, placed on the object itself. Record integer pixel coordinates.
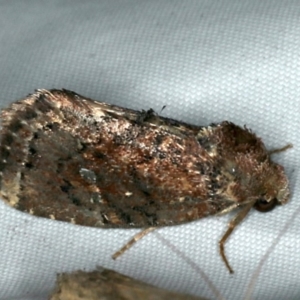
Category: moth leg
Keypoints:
(135, 238)
(232, 224)
(288, 146)
(228, 209)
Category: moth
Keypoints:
(109, 285)
(73, 159)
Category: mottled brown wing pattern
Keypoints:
(93, 164)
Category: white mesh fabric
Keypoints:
(207, 61)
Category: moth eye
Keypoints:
(264, 206)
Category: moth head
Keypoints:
(255, 177)
(262, 182)
(273, 187)
(275, 184)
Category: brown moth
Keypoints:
(109, 285)
(73, 159)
